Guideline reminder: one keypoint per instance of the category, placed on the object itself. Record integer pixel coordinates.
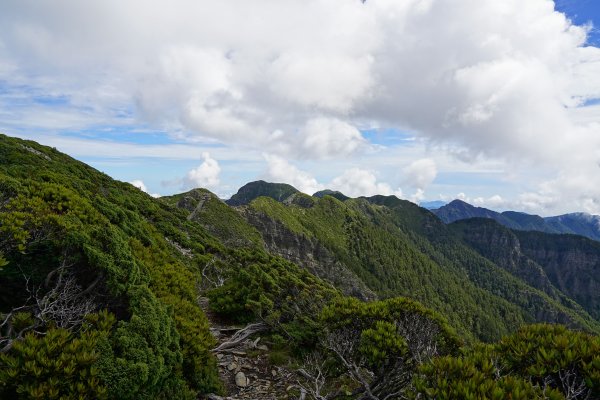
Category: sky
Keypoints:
(493, 102)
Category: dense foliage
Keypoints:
(275, 291)
(538, 362)
(101, 284)
(71, 235)
(59, 364)
(396, 248)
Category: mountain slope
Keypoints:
(506, 249)
(74, 233)
(571, 262)
(458, 209)
(576, 223)
(446, 247)
(100, 283)
(396, 248)
(250, 191)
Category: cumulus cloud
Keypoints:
(495, 202)
(327, 137)
(280, 170)
(419, 174)
(359, 182)
(138, 183)
(206, 175)
(353, 182)
(503, 79)
(417, 196)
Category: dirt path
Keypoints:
(245, 370)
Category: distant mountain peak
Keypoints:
(578, 223)
(433, 205)
(333, 193)
(458, 209)
(253, 190)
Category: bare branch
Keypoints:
(65, 305)
(240, 336)
(211, 269)
(314, 376)
(573, 385)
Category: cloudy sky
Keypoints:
(495, 102)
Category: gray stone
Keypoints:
(241, 380)
(232, 366)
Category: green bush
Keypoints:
(58, 365)
(537, 362)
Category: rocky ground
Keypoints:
(245, 369)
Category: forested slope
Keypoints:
(102, 287)
(103, 278)
(396, 248)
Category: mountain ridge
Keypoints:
(137, 277)
(577, 223)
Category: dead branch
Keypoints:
(64, 305)
(240, 336)
(314, 376)
(573, 385)
(218, 280)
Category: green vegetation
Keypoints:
(538, 362)
(216, 217)
(399, 249)
(373, 349)
(100, 286)
(275, 291)
(59, 364)
(62, 221)
(249, 192)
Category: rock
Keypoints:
(262, 347)
(274, 373)
(241, 380)
(232, 366)
(219, 356)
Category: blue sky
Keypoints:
(583, 12)
(499, 107)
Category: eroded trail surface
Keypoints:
(245, 369)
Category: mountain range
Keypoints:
(121, 295)
(578, 223)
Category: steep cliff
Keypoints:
(571, 262)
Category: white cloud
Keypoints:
(280, 170)
(353, 182)
(138, 183)
(496, 79)
(420, 173)
(418, 196)
(327, 137)
(331, 82)
(206, 175)
(359, 182)
(494, 202)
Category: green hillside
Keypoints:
(104, 290)
(71, 235)
(397, 248)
